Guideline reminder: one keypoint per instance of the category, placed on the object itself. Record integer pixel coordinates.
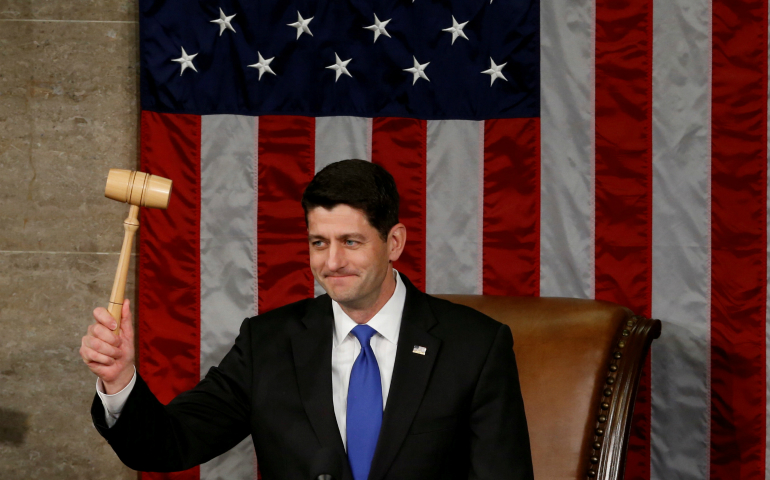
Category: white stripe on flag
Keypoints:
(567, 148)
(341, 138)
(227, 199)
(681, 251)
(452, 241)
(226, 243)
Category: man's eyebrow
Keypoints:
(351, 236)
(344, 236)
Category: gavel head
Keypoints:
(138, 188)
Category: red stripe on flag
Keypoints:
(624, 181)
(169, 270)
(738, 242)
(399, 145)
(286, 164)
(511, 237)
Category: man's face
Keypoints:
(348, 257)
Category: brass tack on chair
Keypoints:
(622, 344)
(617, 355)
(594, 460)
(630, 323)
(599, 432)
(607, 392)
(610, 380)
(602, 418)
(605, 406)
(597, 445)
(625, 333)
(591, 474)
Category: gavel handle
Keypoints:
(130, 225)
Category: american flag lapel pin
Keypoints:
(419, 350)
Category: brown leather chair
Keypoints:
(579, 365)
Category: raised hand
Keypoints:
(110, 356)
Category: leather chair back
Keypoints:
(579, 365)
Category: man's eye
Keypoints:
(351, 243)
(317, 244)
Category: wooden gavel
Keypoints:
(139, 190)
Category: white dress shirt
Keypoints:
(113, 404)
(345, 349)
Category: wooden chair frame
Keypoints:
(606, 433)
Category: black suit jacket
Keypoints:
(454, 413)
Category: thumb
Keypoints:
(127, 319)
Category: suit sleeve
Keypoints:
(193, 428)
(499, 437)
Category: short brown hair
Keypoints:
(359, 184)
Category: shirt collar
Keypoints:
(387, 321)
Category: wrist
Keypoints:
(120, 382)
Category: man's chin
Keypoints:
(340, 284)
(339, 296)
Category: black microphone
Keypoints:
(327, 465)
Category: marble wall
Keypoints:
(68, 113)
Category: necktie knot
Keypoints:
(363, 333)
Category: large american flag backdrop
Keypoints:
(609, 149)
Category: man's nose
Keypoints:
(336, 258)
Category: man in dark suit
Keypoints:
(372, 380)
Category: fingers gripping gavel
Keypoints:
(139, 190)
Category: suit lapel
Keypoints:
(410, 378)
(312, 350)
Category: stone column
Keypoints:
(69, 111)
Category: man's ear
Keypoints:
(396, 241)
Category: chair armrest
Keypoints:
(607, 452)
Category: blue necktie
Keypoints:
(364, 413)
